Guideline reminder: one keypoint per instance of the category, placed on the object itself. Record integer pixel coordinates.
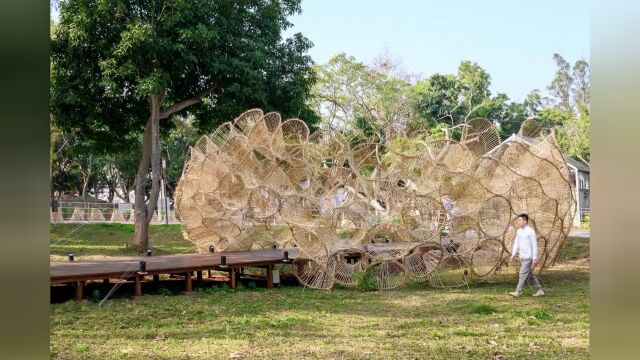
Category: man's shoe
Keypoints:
(515, 294)
(540, 292)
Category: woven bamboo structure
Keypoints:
(441, 211)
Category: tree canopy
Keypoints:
(123, 68)
(215, 57)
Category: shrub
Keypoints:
(164, 291)
(96, 295)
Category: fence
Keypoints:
(78, 212)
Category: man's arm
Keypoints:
(514, 249)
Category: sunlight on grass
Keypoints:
(291, 322)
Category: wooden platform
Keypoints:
(78, 272)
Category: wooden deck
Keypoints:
(78, 272)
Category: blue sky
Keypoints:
(513, 40)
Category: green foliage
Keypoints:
(109, 57)
(96, 296)
(365, 280)
(483, 309)
(437, 132)
(437, 99)
(554, 116)
(540, 314)
(510, 118)
(452, 98)
(164, 291)
(359, 100)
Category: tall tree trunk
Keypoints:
(86, 176)
(112, 193)
(150, 157)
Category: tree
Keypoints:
(438, 99)
(511, 117)
(560, 87)
(455, 98)
(360, 100)
(177, 143)
(574, 136)
(534, 102)
(581, 84)
(65, 174)
(126, 163)
(128, 66)
(571, 88)
(572, 131)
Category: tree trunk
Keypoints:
(112, 193)
(125, 192)
(150, 157)
(86, 176)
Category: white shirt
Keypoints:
(526, 243)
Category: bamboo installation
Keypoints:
(441, 211)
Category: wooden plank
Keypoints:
(97, 269)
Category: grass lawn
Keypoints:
(91, 241)
(415, 322)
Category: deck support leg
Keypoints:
(199, 275)
(138, 286)
(209, 273)
(105, 282)
(269, 276)
(79, 290)
(188, 282)
(156, 278)
(232, 277)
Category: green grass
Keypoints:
(574, 248)
(292, 323)
(484, 309)
(106, 240)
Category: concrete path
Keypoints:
(585, 233)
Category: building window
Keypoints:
(586, 181)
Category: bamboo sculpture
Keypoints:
(441, 211)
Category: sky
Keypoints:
(514, 41)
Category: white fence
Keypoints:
(104, 213)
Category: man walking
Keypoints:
(526, 245)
